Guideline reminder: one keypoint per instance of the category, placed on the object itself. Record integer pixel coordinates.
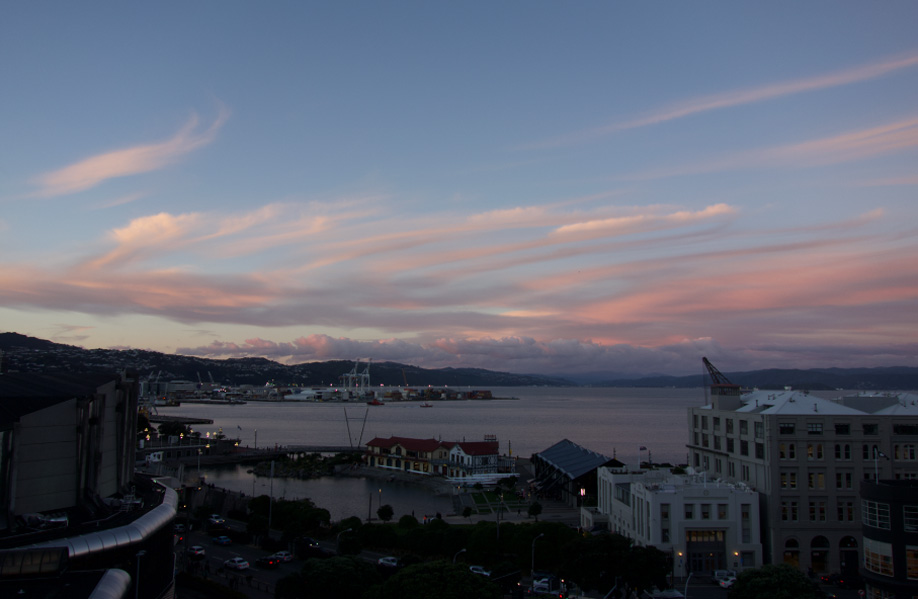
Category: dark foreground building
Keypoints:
(74, 519)
(890, 528)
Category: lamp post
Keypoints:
(532, 566)
(457, 554)
(338, 540)
(271, 499)
(139, 555)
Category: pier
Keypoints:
(154, 418)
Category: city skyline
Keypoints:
(525, 188)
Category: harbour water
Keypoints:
(611, 421)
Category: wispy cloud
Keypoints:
(92, 171)
(861, 144)
(734, 98)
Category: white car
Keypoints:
(389, 562)
(727, 582)
(284, 556)
(196, 552)
(479, 570)
(236, 563)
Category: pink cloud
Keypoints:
(92, 171)
(734, 98)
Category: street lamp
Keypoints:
(338, 540)
(532, 568)
(457, 554)
(139, 555)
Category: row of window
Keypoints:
(759, 427)
(818, 510)
(877, 515)
(817, 428)
(815, 451)
(878, 557)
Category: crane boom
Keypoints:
(717, 378)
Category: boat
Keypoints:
(375, 402)
(426, 404)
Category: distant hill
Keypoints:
(28, 354)
(895, 378)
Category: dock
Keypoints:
(157, 419)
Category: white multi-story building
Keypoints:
(703, 525)
(806, 456)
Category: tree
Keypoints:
(408, 522)
(774, 581)
(343, 577)
(534, 510)
(467, 513)
(385, 512)
(440, 579)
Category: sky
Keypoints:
(565, 188)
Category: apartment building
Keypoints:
(806, 456)
(703, 525)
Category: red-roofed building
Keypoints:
(468, 461)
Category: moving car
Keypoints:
(195, 552)
(236, 563)
(222, 540)
(479, 570)
(718, 575)
(389, 562)
(284, 556)
(268, 561)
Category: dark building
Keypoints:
(74, 516)
(567, 472)
(890, 529)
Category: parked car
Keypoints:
(195, 552)
(178, 527)
(718, 575)
(236, 563)
(727, 582)
(284, 556)
(479, 570)
(268, 561)
(222, 540)
(388, 562)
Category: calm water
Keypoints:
(613, 422)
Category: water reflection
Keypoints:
(341, 496)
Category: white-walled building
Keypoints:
(704, 525)
(806, 455)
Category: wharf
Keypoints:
(155, 418)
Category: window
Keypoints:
(842, 452)
(744, 447)
(760, 451)
(745, 510)
(787, 451)
(816, 480)
(846, 510)
(718, 465)
(843, 480)
(878, 557)
(871, 429)
(911, 562)
(664, 512)
(875, 514)
(716, 422)
(814, 451)
(842, 429)
(785, 428)
(704, 423)
(689, 511)
(818, 511)
(743, 427)
(906, 451)
(729, 426)
(697, 457)
(705, 511)
(910, 518)
(704, 440)
(664, 535)
(788, 480)
(746, 472)
(905, 429)
(731, 469)
(814, 428)
(695, 420)
(721, 511)
(759, 430)
(729, 445)
(789, 511)
(717, 443)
